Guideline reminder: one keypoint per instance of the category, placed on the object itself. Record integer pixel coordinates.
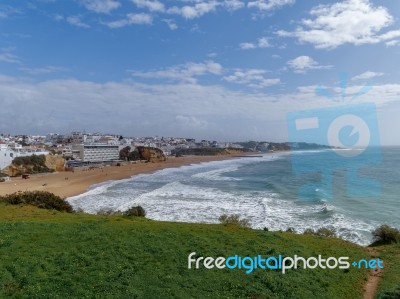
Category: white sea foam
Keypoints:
(217, 174)
(189, 194)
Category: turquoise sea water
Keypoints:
(263, 189)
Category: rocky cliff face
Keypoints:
(151, 154)
(52, 163)
(55, 162)
(14, 170)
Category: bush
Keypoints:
(326, 232)
(108, 212)
(234, 219)
(309, 231)
(40, 199)
(322, 232)
(137, 211)
(386, 234)
(392, 294)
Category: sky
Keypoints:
(205, 69)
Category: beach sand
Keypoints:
(66, 184)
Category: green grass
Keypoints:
(49, 254)
(389, 286)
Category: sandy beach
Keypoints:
(66, 184)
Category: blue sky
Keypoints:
(224, 70)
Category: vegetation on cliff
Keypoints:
(28, 164)
(40, 199)
(126, 154)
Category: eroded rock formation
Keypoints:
(151, 154)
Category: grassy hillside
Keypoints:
(389, 287)
(49, 254)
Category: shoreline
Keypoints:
(67, 184)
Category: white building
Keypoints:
(7, 154)
(95, 152)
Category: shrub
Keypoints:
(322, 232)
(386, 234)
(291, 230)
(137, 211)
(40, 199)
(392, 294)
(234, 219)
(326, 232)
(79, 210)
(108, 212)
(309, 231)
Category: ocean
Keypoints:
(264, 190)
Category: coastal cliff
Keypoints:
(34, 164)
(55, 162)
(151, 154)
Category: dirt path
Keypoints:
(373, 279)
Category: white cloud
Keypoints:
(233, 4)
(185, 72)
(140, 18)
(246, 46)
(367, 75)
(43, 70)
(171, 24)
(261, 43)
(77, 21)
(211, 111)
(7, 10)
(6, 56)
(270, 4)
(137, 19)
(150, 5)
(253, 78)
(195, 11)
(354, 22)
(187, 109)
(392, 43)
(101, 6)
(58, 17)
(302, 64)
(191, 122)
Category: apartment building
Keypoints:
(95, 152)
